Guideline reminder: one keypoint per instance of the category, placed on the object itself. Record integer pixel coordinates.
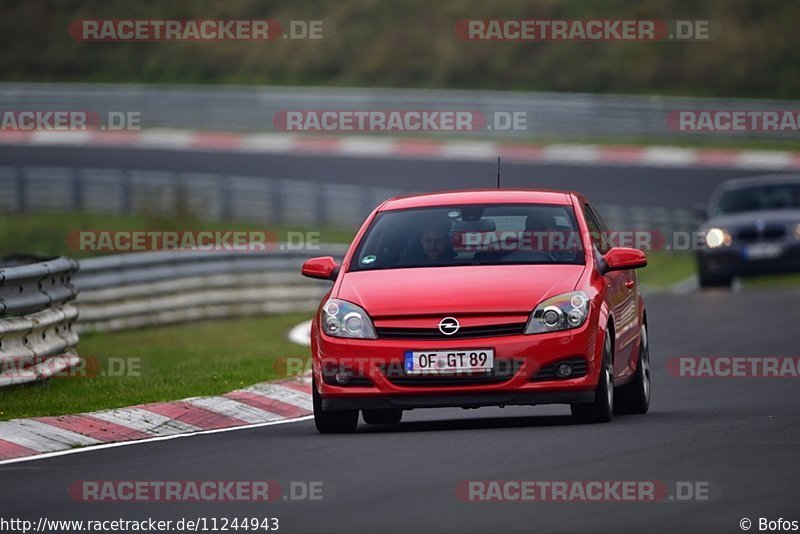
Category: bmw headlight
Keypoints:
(797, 231)
(561, 312)
(716, 237)
(344, 319)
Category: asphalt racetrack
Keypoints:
(670, 187)
(738, 435)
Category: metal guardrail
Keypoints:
(37, 337)
(255, 199)
(154, 288)
(549, 115)
(262, 200)
(39, 328)
(28, 284)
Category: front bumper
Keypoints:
(733, 260)
(475, 400)
(375, 363)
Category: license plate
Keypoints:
(448, 361)
(762, 251)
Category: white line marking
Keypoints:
(668, 156)
(572, 153)
(150, 440)
(356, 146)
(301, 334)
(764, 159)
(268, 143)
(165, 139)
(44, 137)
(468, 150)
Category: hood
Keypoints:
(457, 290)
(735, 220)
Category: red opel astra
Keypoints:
(479, 298)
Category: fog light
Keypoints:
(575, 317)
(343, 377)
(563, 370)
(331, 325)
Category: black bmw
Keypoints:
(752, 228)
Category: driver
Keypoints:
(543, 232)
(435, 242)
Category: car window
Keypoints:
(757, 198)
(596, 229)
(484, 234)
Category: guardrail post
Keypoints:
(21, 186)
(126, 202)
(226, 198)
(77, 190)
(366, 201)
(320, 204)
(276, 200)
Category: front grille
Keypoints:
(465, 332)
(548, 372)
(770, 231)
(504, 370)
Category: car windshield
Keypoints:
(757, 198)
(486, 234)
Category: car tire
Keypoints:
(382, 417)
(634, 398)
(709, 279)
(335, 421)
(601, 410)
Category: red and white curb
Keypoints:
(393, 147)
(259, 405)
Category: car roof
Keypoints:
(479, 196)
(764, 179)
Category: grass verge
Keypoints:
(172, 362)
(666, 268)
(47, 232)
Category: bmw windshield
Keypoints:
(759, 198)
(486, 234)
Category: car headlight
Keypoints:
(717, 237)
(797, 231)
(561, 312)
(344, 319)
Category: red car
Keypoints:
(479, 298)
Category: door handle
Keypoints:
(629, 284)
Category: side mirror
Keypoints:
(324, 268)
(700, 211)
(620, 259)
